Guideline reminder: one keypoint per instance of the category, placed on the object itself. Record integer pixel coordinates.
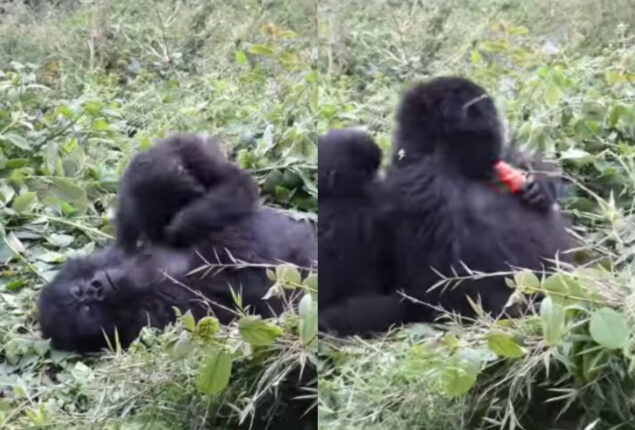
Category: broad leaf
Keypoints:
(257, 332)
(609, 328)
(504, 345)
(215, 374)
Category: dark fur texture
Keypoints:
(447, 215)
(113, 289)
(351, 227)
(178, 188)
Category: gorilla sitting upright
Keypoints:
(184, 178)
(448, 215)
(352, 226)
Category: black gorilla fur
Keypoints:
(179, 188)
(113, 289)
(446, 214)
(351, 224)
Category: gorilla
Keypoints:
(447, 218)
(179, 188)
(352, 226)
(121, 289)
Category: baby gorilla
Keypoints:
(112, 290)
(352, 229)
(448, 215)
(179, 188)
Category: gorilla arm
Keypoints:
(226, 203)
(363, 314)
(178, 190)
(542, 187)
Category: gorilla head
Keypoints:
(348, 161)
(451, 118)
(83, 304)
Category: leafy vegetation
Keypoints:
(83, 87)
(563, 75)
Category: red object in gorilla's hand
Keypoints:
(512, 178)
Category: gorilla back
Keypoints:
(92, 297)
(351, 228)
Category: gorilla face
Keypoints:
(80, 302)
(93, 297)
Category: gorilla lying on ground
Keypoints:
(113, 290)
(447, 215)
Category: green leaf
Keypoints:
(184, 346)
(93, 107)
(552, 317)
(460, 376)
(67, 191)
(311, 282)
(14, 243)
(215, 374)
(240, 57)
(562, 288)
(616, 113)
(60, 240)
(257, 332)
(207, 327)
(261, 50)
(609, 328)
(476, 58)
(288, 274)
(272, 179)
(504, 345)
(188, 321)
(16, 140)
(520, 31)
(527, 281)
(64, 111)
(552, 95)
(24, 201)
(101, 125)
(457, 381)
(308, 311)
(16, 285)
(574, 154)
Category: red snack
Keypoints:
(509, 176)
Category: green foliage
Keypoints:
(214, 377)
